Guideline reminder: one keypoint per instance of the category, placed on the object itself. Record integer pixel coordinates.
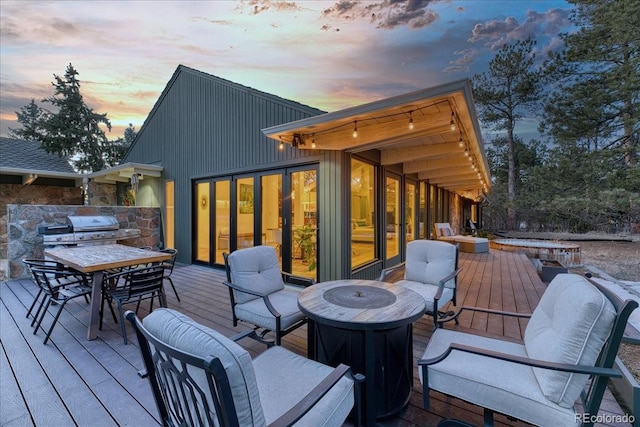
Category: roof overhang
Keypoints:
(29, 176)
(413, 130)
(124, 172)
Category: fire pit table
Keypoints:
(367, 325)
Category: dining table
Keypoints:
(95, 260)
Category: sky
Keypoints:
(326, 54)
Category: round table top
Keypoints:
(361, 304)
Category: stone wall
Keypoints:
(23, 240)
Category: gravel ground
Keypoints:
(615, 255)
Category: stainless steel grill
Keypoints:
(86, 230)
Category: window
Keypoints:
(363, 213)
(169, 215)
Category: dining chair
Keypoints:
(431, 270)
(132, 286)
(567, 355)
(168, 268)
(41, 263)
(58, 286)
(200, 377)
(261, 294)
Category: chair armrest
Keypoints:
(290, 279)
(313, 397)
(485, 310)
(246, 291)
(262, 295)
(450, 276)
(386, 272)
(565, 367)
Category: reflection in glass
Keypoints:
(304, 223)
(202, 221)
(410, 203)
(244, 212)
(363, 202)
(271, 207)
(392, 221)
(222, 218)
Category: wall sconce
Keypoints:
(28, 179)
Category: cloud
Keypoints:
(388, 14)
(497, 33)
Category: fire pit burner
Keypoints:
(355, 296)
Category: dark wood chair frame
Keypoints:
(178, 396)
(259, 332)
(591, 396)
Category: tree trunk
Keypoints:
(511, 184)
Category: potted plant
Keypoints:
(304, 238)
(129, 199)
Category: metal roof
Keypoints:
(433, 132)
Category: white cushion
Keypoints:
(491, 383)
(429, 261)
(427, 292)
(570, 324)
(180, 331)
(256, 312)
(284, 378)
(255, 269)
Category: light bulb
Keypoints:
(460, 142)
(281, 146)
(355, 129)
(410, 124)
(452, 123)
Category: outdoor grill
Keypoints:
(86, 230)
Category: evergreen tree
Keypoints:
(596, 102)
(31, 117)
(503, 94)
(72, 129)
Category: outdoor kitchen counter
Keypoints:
(96, 259)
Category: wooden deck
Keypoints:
(72, 381)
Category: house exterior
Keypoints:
(337, 194)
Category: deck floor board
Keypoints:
(73, 381)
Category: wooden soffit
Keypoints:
(433, 133)
(124, 172)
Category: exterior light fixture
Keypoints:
(410, 120)
(281, 146)
(355, 128)
(460, 142)
(313, 142)
(452, 123)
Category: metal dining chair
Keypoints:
(59, 286)
(168, 268)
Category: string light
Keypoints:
(313, 142)
(460, 142)
(452, 123)
(281, 146)
(410, 120)
(355, 128)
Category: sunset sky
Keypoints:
(326, 54)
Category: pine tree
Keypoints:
(504, 93)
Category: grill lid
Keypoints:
(93, 223)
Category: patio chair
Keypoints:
(168, 268)
(59, 286)
(570, 343)
(258, 293)
(431, 270)
(199, 377)
(136, 285)
(54, 266)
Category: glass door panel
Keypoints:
(410, 211)
(222, 218)
(244, 212)
(393, 219)
(203, 230)
(271, 207)
(303, 222)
